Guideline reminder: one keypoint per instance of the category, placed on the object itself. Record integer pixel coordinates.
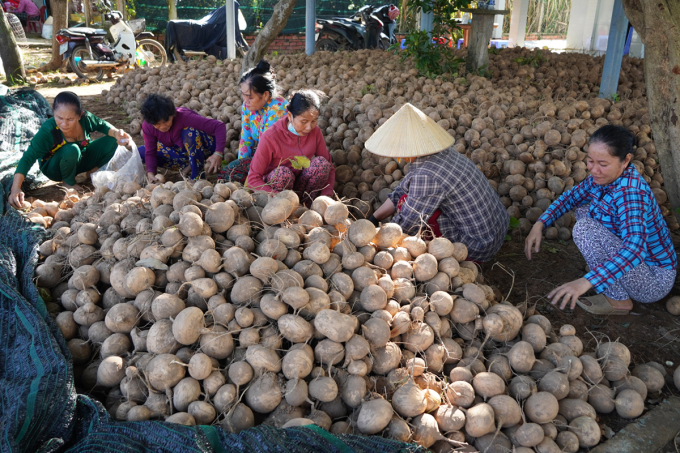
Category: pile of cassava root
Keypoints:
(202, 304)
(526, 127)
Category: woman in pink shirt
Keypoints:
(25, 10)
(292, 154)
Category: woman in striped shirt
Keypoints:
(619, 230)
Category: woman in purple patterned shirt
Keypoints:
(619, 230)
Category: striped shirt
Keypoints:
(472, 213)
(628, 209)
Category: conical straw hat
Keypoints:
(409, 133)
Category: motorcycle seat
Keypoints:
(87, 31)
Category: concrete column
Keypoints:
(518, 23)
(581, 24)
(612, 60)
(499, 19)
(231, 29)
(310, 27)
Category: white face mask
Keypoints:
(291, 128)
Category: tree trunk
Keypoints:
(120, 6)
(172, 10)
(9, 52)
(268, 34)
(60, 16)
(658, 24)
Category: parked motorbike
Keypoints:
(365, 29)
(90, 54)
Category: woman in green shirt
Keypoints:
(63, 146)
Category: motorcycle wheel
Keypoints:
(384, 44)
(153, 47)
(81, 53)
(326, 44)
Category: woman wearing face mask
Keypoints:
(180, 139)
(292, 154)
(63, 147)
(262, 107)
(619, 230)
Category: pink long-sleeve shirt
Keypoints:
(28, 7)
(278, 146)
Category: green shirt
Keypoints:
(44, 141)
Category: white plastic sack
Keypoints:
(125, 166)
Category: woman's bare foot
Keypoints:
(186, 171)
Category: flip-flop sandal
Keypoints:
(599, 305)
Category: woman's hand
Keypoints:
(151, 177)
(533, 241)
(16, 198)
(569, 292)
(122, 137)
(214, 163)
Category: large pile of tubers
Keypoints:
(526, 127)
(208, 304)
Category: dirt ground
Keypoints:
(650, 332)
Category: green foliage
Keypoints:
(431, 59)
(514, 224)
(534, 59)
(434, 58)
(131, 7)
(368, 89)
(545, 17)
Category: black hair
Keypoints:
(618, 139)
(157, 108)
(68, 98)
(304, 100)
(260, 79)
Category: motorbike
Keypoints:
(207, 36)
(90, 54)
(362, 30)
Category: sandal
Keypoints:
(599, 305)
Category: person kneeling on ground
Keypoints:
(63, 146)
(180, 139)
(442, 188)
(262, 108)
(292, 154)
(619, 230)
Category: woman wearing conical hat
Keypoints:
(442, 188)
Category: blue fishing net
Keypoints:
(40, 410)
(22, 112)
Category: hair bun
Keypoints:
(262, 67)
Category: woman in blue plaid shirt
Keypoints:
(619, 230)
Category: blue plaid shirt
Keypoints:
(472, 213)
(628, 209)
